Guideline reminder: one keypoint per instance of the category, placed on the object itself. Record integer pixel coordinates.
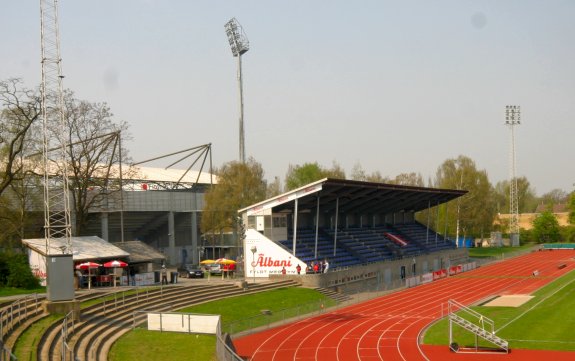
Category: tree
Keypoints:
(572, 208)
(239, 185)
(94, 155)
(20, 108)
(409, 179)
(19, 114)
(553, 197)
(274, 188)
(527, 200)
(546, 228)
(298, 176)
(475, 210)
(357, 173)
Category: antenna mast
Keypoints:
(56, 196)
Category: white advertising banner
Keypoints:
(183, 322)
(37, 265)
(269, 258)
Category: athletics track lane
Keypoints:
(387, 328)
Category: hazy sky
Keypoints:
(397, 86)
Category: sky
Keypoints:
(394, 86)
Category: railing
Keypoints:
(11, 316)
(67, 353)
(473, 322)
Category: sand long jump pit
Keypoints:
(508, 301)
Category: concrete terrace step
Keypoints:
(336, 296)
(102, 325)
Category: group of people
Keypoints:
(318, 267)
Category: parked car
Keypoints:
(190, 271)
(215, 269)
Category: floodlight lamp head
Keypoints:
(236, 37)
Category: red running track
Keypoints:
(388, 327)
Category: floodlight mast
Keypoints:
(512, 119)
(239, 44)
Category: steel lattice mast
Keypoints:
(513, 118)
(57, 223)
(239, 44)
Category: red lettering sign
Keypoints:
(264, 261)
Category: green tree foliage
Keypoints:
(408, 179)
(553, 197)
(15, 272)
(546, 228)
(359, 174)
(527, 199)
(239, 185)
(274, 188)
(572, 208)
(476, 209)
(300, 175)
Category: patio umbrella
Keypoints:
(224, 261)
(115, 264)
(88, 266)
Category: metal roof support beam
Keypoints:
(316, 227)
(294, 226)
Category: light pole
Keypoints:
(239, 44)
(513, 118)
(254, 249)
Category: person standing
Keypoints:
(298, 269)
(325, 266)
(164, 273)
(283, 270)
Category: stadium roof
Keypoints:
(140, 252)
(171, 175)
(356, 197)
(88, 248)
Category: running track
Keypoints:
(388, 327)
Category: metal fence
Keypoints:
(12, 316)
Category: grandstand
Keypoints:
(358, 246)
(349, 224)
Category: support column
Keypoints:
(171, 239)
(336, 224)
(104, 226)
(195, 249)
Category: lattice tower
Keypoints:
(56, 196)
(513, 118)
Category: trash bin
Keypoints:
(174, 277)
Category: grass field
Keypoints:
(484, 252)
(233, 311)
(11, 291)
(545, 322)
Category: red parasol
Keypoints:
(115, 264)
(88, 266)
